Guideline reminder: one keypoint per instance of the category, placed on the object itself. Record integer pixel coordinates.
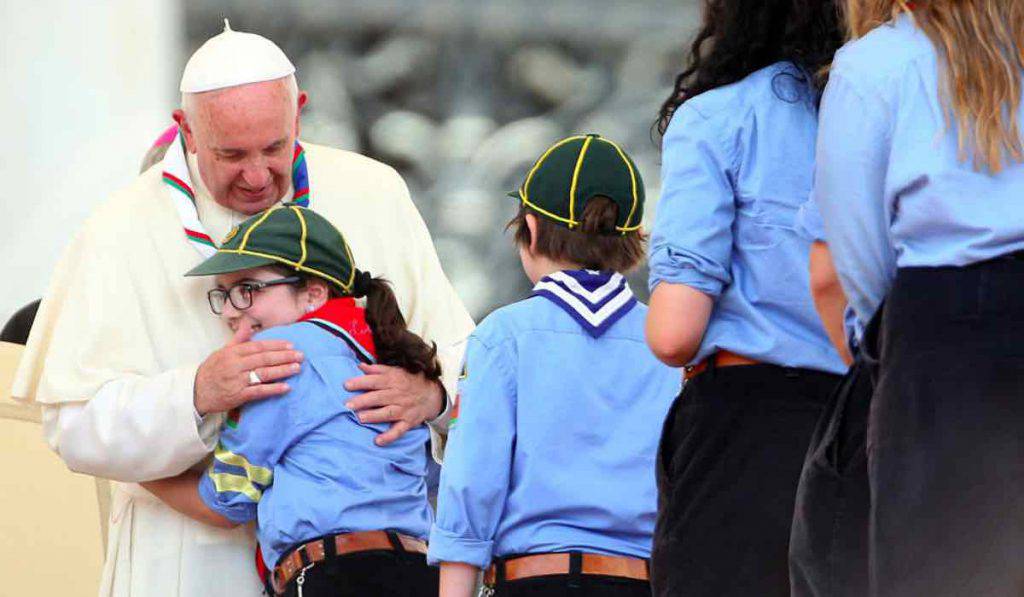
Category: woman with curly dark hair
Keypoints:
(731, 299)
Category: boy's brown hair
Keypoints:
(595, 244)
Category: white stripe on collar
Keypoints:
(594, 296)
(594, 318)
(596, 300)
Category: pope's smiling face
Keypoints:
(243, 138)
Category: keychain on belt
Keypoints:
(301, 580)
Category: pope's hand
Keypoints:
(224, 381)
(393, 395)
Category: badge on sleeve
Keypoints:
(234, 415)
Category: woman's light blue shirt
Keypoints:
(889, 183)
(736, 166)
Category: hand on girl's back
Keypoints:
(393, 395)
(223, 381)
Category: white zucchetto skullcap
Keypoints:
(234, 58)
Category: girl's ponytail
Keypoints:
(395, 344)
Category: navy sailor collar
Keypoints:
(595, 299)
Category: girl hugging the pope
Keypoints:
(335, 513)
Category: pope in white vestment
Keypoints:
(120, 334)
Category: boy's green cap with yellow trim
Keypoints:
(289, 235)
(576, 169)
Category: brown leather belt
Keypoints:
(722, 358)
(316, 551)
(547, 564)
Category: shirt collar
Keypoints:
(595, 299)
(343, 318)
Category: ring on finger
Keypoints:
(254, 379)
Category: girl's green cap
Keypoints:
(289, 235)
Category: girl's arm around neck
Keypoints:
(182, 494)
(458, 579)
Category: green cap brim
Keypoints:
(514, 194)
(225, 263)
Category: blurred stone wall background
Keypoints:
(461, 95)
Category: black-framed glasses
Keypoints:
(241, 294)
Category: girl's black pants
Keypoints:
(729, 460)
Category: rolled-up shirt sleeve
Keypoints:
(692, 239)
(809, 224)
(854, 138)
(477, 471)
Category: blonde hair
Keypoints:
(982, 47)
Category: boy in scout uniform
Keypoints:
(548, 482)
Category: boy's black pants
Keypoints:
(369, 573)
(581, 586)
(946, 434)
(729, 460)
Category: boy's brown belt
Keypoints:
(316, 551)
(547, 564)
(722, 358)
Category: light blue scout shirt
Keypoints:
(560, 410)
(303, 465)
(737, 163)
(888, 181)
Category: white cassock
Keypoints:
(114, 350)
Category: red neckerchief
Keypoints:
(261, 567)
(344, 313)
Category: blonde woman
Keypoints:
(920, 181)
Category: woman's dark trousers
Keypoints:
(730, 457)
(946, 435)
